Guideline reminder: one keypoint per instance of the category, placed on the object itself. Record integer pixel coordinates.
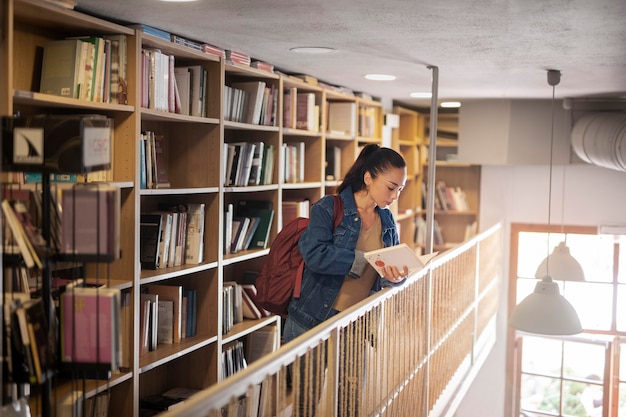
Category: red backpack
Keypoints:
(281, 275)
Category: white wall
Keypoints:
(518, 194)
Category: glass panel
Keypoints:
(532, 250)
(622, 400)
(583, 361)
(540, 393)
(593, 252)
(583, 400)
(592, 302)
(621, 308)
(595, 255)
(525, 287)
(541, 356)
(573, 400)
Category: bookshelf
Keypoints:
(455, 223)
(196, 166)
(407, 140)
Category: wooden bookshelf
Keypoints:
(412, 139)
(196, 167)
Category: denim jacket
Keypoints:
(329, 257)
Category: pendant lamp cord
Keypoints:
(554, 77)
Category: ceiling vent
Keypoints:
(600, 139)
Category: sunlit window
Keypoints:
(571, 375)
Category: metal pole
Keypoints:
(432, 156)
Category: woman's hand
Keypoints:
(394, 274)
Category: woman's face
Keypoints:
(386, 187)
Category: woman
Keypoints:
(336, 275)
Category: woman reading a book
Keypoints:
(336, 274)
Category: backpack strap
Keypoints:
(338, 216)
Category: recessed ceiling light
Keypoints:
(380, 77)
(450, 104)
(421, 94)
(312, 50)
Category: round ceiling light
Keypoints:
(380, 77)
(312, 50)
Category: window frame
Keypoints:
(514, 339)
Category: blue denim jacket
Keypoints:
(329, 257)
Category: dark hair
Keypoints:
(373, 159)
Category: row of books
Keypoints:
(295, 208)
(172, 236)
(89, 68)
(251, 102)
(233, 360)
(247, 225)
(154, 161)
(74, 231)
(332, 165)
(239, 303)
(248, 163)
(450, 198)
(167, 315)
(170, 88)
(29, 350)
(294, 157)
(91, 325)
(300, 111)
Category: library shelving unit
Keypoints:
(407, 139)
(453, 226)
(196, 166)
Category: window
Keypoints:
(582, 375)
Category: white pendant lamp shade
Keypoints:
(546, 311)
(562, 265)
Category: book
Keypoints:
(182, 76)
(165, 326)
(151, 319)
(161, 157)
(150, 225)
(251, 291)
(90, 221)
(399, 255)
(60, 67)
(90, 326)
(249, 308)
(37, 324)
(151, 30)
(257, 162)
(262, 209)
(342, 118)
(191, 295)
(305, 111)
(173, 293)
(30, 257)
(253, 99)
(194, 251)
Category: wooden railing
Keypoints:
(407, 351)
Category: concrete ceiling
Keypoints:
(482, 49)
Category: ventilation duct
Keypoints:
(600, 139)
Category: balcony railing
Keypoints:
(406, 351)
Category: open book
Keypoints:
(399, 255)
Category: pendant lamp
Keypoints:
(563, 266)
(546, 311)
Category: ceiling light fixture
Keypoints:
(450, 104)
(379, 77)
(546, 311)
(313, 50)
(421, 94)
